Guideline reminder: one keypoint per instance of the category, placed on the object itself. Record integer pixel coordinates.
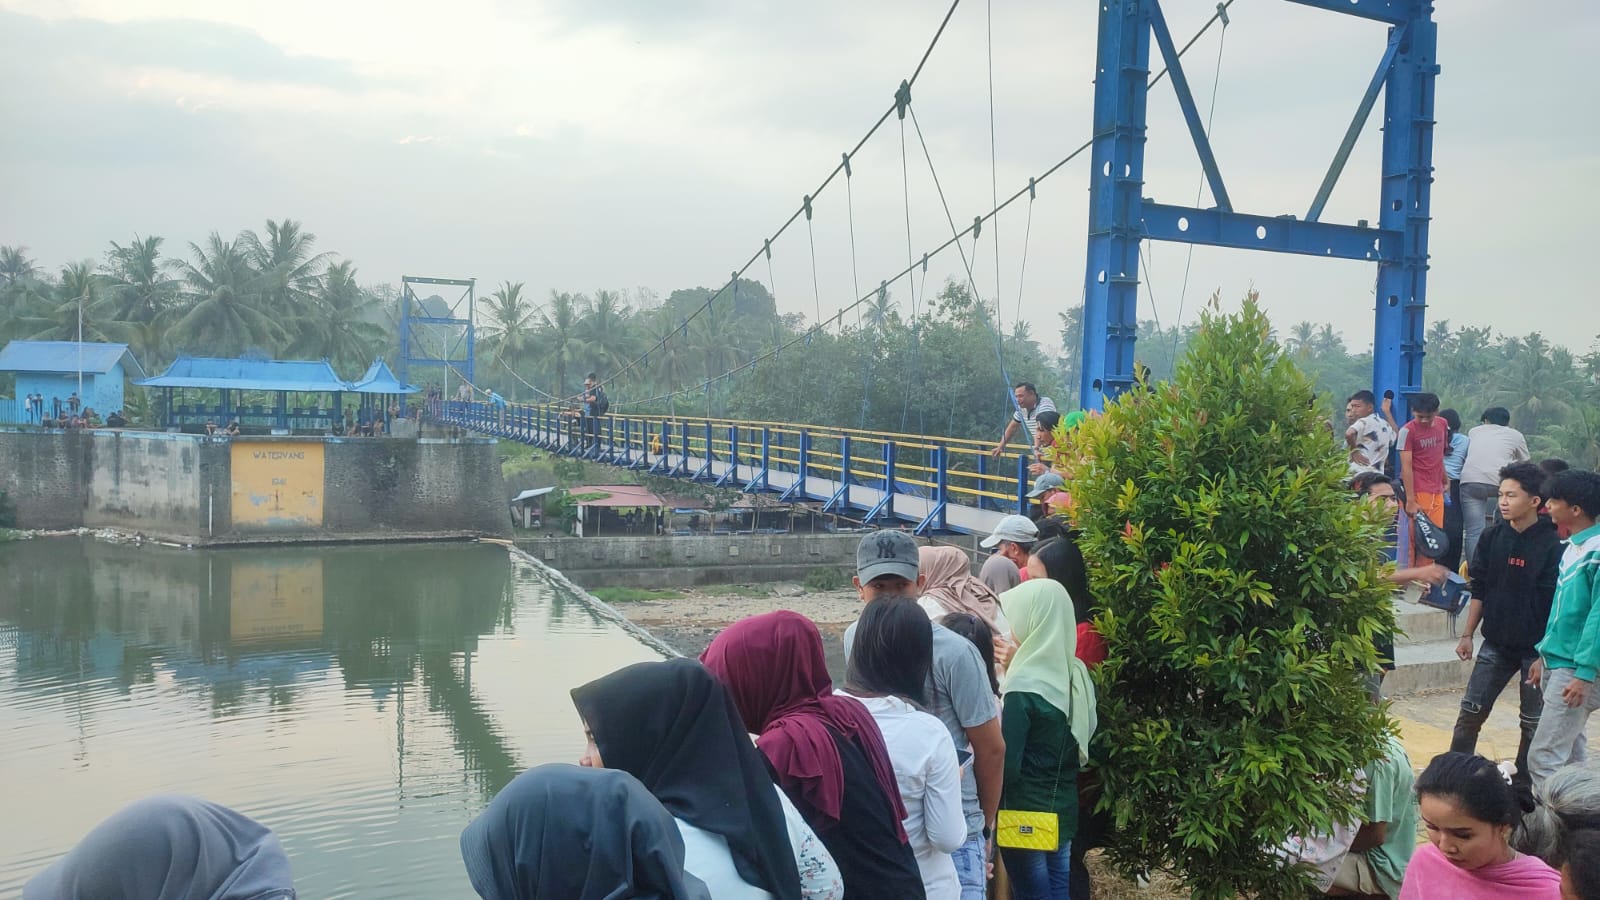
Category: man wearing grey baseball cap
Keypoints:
(958, 695)
(1013, 537)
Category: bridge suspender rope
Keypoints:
(902, 101)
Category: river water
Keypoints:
(363, 702)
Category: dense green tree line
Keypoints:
(925, 365)
(1553, 393)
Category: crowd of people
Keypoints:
(963, 737)
(68, 413)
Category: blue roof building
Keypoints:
(55, 369)
(189, 381)
(380, 380)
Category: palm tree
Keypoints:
(605, 330)
(1301, 337)
(342, 319)
(55, 315)
(670, 358)
(16, 266)
(223, 315)
(289, 272)
(1534, 383)
(139, 290)
(558, 338)
(881, 311)
(510, 326)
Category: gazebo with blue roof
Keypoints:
(241, 381)
(58, 369)
(379, 382)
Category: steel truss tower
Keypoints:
(444, 341)
(1120, 216)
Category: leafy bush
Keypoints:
(826, 578)
(1239, 593)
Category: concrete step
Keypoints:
(1416, 624)
(1426, 666)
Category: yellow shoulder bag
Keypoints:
(1023, 830)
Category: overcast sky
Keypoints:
(581, 144)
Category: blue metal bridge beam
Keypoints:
(1116, 188)
(1397, 350)
(1282, 234)
(1394, 12)
(1191, 113)
(1120, 216)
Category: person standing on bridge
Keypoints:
(595, 405)
(1026, 414)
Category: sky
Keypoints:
(633, 144)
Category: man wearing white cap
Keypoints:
(1013, 537)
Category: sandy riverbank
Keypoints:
(687, 619)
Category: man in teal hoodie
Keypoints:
(1570, 651)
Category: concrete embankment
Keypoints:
(196, 490)
(689, 560)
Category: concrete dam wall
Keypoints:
(198, 490)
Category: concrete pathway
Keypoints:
(1427, 720)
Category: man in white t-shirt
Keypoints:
(1369, 436)
(1490, 447)
(1026, 414)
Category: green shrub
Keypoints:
(1238, 589)
(828, 578)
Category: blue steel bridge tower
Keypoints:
(1120, 216)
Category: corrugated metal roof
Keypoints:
(63, 357)
(249, 375)
(380, 380)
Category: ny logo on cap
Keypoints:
(886, 544)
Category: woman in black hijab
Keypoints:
(585, 834)
(673, 726)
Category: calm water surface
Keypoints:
(363, 702)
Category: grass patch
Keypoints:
(631, 595)
(826, 579)
(734, 590)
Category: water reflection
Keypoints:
(363, 701)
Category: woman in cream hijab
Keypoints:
(1048, 719)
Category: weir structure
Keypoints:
(1120, 215)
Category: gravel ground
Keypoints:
(688, 623)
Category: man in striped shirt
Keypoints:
(1029, 406)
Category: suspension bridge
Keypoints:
(943, 484)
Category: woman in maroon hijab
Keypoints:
(826, 751)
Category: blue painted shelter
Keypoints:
(53, 369)
(379, 382)
(260, 393)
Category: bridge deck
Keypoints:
(941, 485)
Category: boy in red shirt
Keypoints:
(1423, 443)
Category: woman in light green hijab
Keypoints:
(1047, 720)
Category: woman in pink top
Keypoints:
(1468, 811)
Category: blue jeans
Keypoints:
(1479, 506)
(1039, 874)
(972, 869)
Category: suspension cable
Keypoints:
(1028, 190)
(1216, 79)
(906, 87)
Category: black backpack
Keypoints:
(602, 404)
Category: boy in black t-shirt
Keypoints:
(1513, 571)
